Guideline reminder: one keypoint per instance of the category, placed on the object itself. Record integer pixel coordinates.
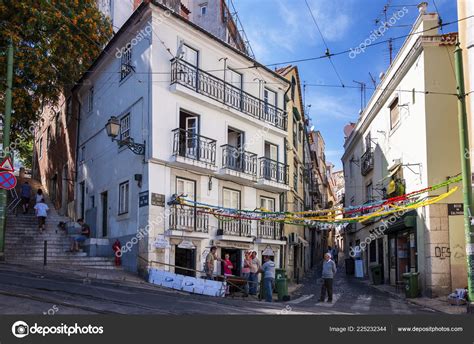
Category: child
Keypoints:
(41, 209)
(39, 196)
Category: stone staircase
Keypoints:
(24, 244)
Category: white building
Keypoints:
(406, 140)
(218, 143)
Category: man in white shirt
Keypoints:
(41, 209)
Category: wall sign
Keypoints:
(157, 200)
(143, 199)
(455, 209)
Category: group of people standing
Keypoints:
(250, 269)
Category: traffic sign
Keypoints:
(7, 165)
(7, 180)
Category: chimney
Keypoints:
(422, 7)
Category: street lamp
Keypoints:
(113, 128)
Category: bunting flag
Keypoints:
(354, 214)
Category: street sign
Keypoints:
(7, 180)
(455, 209)
(143, 199)
(7, 165)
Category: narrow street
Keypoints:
(37, 293)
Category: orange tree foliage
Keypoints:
(54, 42)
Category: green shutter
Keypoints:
(296, 113)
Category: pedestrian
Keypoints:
(246, 270)
(83, 236)
(228, 266)
(268, 270)
(117, 248)
(253, 278)
(39, 196)
(41, 213)
(210, 262)
(25, 194)
(329, 271)
(335, 254)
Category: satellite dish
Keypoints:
(382, 74)
(312, 128)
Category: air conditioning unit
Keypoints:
(293, 239)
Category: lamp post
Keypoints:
(113, 128)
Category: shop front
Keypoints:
(402, 248)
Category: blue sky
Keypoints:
(282, 30)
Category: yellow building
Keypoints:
(294, 199)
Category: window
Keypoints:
(231, 198)
(295, 175)
(293, 87)
(124, 195)
(125, 127)
(295, 133)
(57, 124)
(126, 61)
(267, 203)
(271, 151)
(234, 78)
(40, 148)
(190, 55)
(68, 109)
(368, 142)
(369, 189)
(186, 187)
(269, 98)
(83, 154)
(203, 9)
(394, 114)
(48, 137)
(90, 99)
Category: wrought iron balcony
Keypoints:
(192, 146)
(269, 230)
(188, 219)
(240, 228)
(367, 162)
(274, 171)
(190, 76)
(238, 160)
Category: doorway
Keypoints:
(381, 259)
(105, 215)
(185, 258)
(235, 257)
(189, 136)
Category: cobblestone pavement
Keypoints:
(33, 292)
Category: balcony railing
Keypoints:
(184, 218)
(190, 145)
(273, 170)
(269, 230)
(367, 162)
(190, 76)
(239, 160)
(241, 228)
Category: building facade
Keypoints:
(295, 198)
(406, 140)
(210, 141)
(57, 130)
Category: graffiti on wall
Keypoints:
(442, 252)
